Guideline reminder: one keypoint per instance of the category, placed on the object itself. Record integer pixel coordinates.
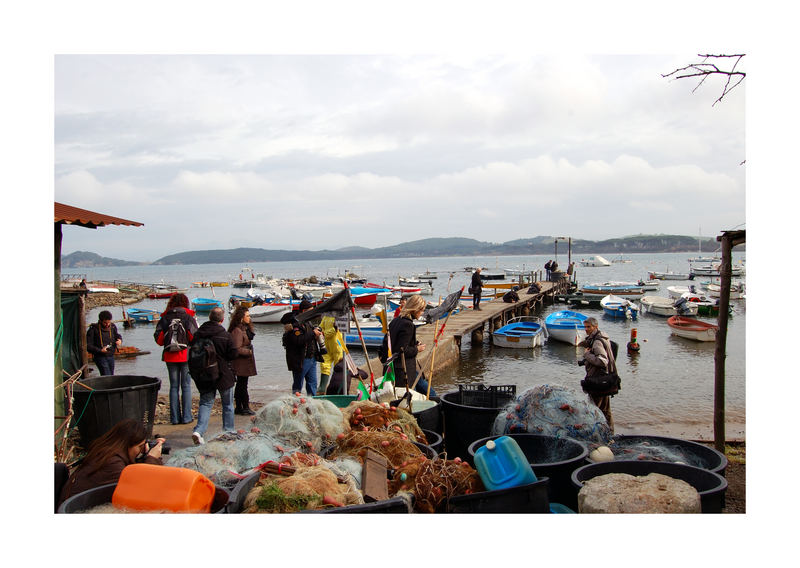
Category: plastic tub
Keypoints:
(340, 400)
(144, 486)
(691, 453)
(469, 415)
(711, 486)
(243, 487)
(435, 441)
(501, 464)
(531, 498)
(102, 495)
(111, 398)
(428, 414)
(551, 457)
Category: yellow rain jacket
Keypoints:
(334, 343)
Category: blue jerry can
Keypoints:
(502, 464)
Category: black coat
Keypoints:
(226, 352)
(403, 335)
(477, 283)
(300, 343)
(97, 338)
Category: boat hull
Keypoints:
(693, 329)
(269, 313)
(566, 326)
(519, 335)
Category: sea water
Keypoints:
(670, 380)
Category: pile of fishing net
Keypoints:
(392, 445)
(314, 483)
(298, 421)
(365, 415)
(226, 457)
(626, 448)
(433, 481)
(553, 410)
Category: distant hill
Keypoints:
(83, 259)
(453, 246)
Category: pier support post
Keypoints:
(476, 337)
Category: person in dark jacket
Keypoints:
(244, 365)
(598, 358)
(403, 339)
(226, 352)
(476, 286)
(511, 296)
(109, 454)
(180, 383)
(102, 340)
(300, 342)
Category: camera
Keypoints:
(321, 343)
(164, 447)
(581, 362)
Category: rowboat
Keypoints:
(142, 315)
(205, 305)
(566, 326)
(595, 260)
(648, 285)
(103, 290)
(269, 313)
(522, 332)
(737, 291)
(235, 300)
(617, 307)
(714, 270)
(692, 329)
(669, 275)
(676, 292)
(619, 289)
(658, 305)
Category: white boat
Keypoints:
(268, 313)
(617, 307)
(648, 285)
(658, 305)
(714, 270)
(737, 291)
(524, 332)
(595, 260)
(425, 286)
(566, 326)
(692, 329)
(621, 260)
(626, 290)
(676, 292)
(669, 275)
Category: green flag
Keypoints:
(362, 390)
(388, 375)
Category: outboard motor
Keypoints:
(682, 307)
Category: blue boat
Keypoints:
(524, 332)
(566, 326)
(205, 305)
(373, 337)
(142, 315)
(617, 307)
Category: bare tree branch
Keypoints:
(704, 69)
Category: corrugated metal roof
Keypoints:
(75, 216)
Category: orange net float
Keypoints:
(633, 345)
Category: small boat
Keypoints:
(617, 307)
(235, 300)
(620, 289)
(427, 275)
(669, 275)
(142, 315)
(493, 275)
(522, 332)
(703, 306)
(218, 284)
(269, 313)
(373, 337)
(621, 260)
(425, 286)
(566, 326)
(676, 292)
(714, 270)
(161, 291)
(737, 291)
(648, 285)
(205, 305)
(103, 290)
(690, 328)
(658, 305)
(595, 260)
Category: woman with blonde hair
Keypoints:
(403, 337)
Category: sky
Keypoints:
(316, 151)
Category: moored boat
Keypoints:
(269, 313)
(595, 260)
(737, 291)
(669, 275)
(566, 326)
(617, 307)
(205, 305)
(619, 289)
(658, 305)
(142, 315)
(690, 328)
(524, 332)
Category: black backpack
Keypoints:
(175, 336)
(203, 364)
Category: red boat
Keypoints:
(156, 295)
(365, 299)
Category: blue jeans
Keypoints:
(180, 393)
(105, 365)
(204, 410)
(309, 373)
(476, 300)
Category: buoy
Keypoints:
(633, 345)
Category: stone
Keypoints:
(624, 493)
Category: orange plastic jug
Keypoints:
(148, 487)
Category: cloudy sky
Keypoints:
(327, 151)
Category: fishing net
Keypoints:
(433, 482)
(370, 416)
(309, 423)
(392, 445)
(553, 410)
(655, 450)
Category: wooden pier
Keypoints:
(468, 322)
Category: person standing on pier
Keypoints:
(476, 288)
(175, 336)
(102, 340)
(598, 357)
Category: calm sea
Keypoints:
(670, 380)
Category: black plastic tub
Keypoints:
(102, 495)
(531, 498)
(555, 458)
(435, 441)
(111, 398)
(429, 417)
(690, 453)
(394, 505)
(469, 415)
(711, 486)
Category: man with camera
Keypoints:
(102, 340)
(597, 358)
(302, 344)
